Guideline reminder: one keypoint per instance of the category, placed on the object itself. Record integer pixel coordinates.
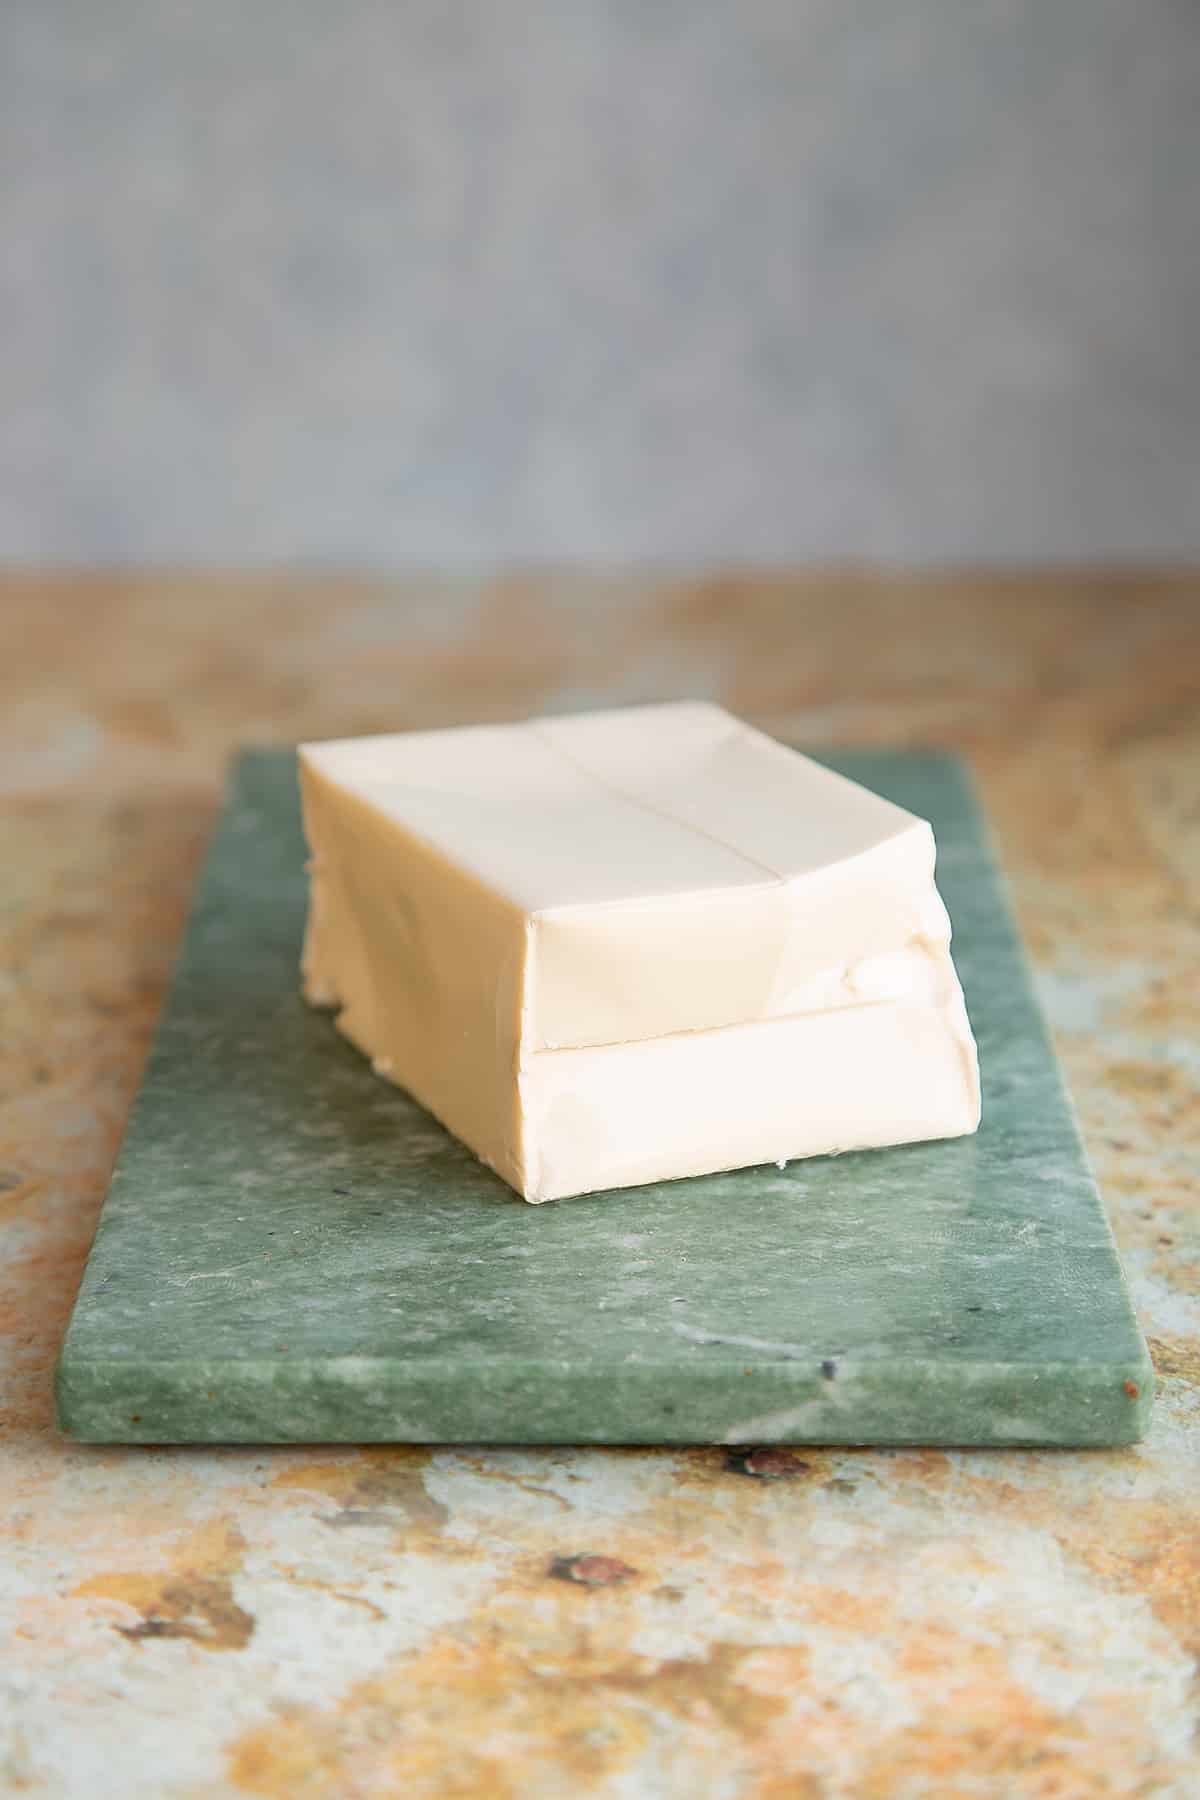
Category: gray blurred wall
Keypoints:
(448, 281)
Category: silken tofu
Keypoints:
(626, 946)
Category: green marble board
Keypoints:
(292, 1250)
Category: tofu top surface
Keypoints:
(637, 804)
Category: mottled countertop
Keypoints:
(524, 1625)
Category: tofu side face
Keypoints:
(425, 964)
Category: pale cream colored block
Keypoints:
(625, 946)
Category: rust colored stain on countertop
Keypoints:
(524, 1625)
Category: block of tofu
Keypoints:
(626, 946)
